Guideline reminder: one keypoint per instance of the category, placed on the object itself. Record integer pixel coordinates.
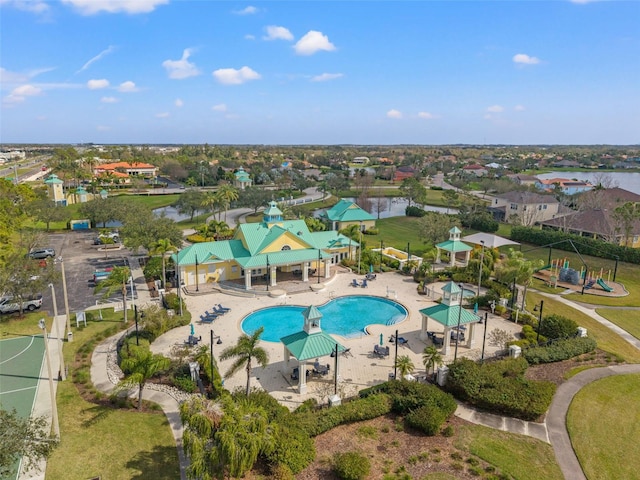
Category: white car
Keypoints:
(8, 304)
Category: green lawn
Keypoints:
(628, 320)
(604, 428)
(103, 441)
(519, 456)
(608, 340)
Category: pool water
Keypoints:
(345, 316)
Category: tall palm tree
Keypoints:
(161, 248)
(116, 281)
(227, 194)
(353, 232)
(212, 202)
(244, 352)
(431, 358)
(142, 365)
(404, 365)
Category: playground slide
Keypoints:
(604, 286)
(543, 268)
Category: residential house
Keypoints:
(567, 186)
(475, 169)
(527, 208)
(566, 164)
(346, 213)
(403, 172)
(135, 169)
(521, 179)
(360, 160)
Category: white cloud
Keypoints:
(275, 32)
(247, 11)
(231, 76)
(519, 108)
(107, 51)
(97, 84)
(427, 115)
(127, 87)
(178, 103)
(109, 100)
(162, 115)
(325, 77)
(19, 94)
(524, 59)
(495, 109)
(248, 36)
(32, 6)
(394, 114)
(180, 69)
(312, 42)
(8, 77)
(221, 107)
(487, 116)
(91, 7)
(103, 128)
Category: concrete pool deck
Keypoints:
(358, 370)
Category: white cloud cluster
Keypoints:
(231, 76)
(427, 115)
(128, 87)
(325, 77)
(178, 103)
(91, 7)
(393, 113)
(109, 100)
(97, 84)
(495, 109)
(107, 51)
(162, 115)
(275, 32)
(221, 107)
(32, 6)
(19, 94)
(250, 10)
(181, 69)
(524, 59)
(312, 42)
(519, 108)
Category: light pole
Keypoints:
(395, 362)
(455, 354)
(539, 320)
(319, 261)
(54, 407)
(211, 352)
(481, 265)
(268, 273)
(63, 375)
(484, 336)
(197, 281)
(66, 300)
(179, 281)
(360, 248)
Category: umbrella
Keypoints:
(475, 308)
(193, 330)
(371, 268)
(381, 339)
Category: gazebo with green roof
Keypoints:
(242, 179)
(310, 343)
(450, 314)
(454, 246)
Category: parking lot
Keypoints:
(81, 258)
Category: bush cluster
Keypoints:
(413, 211)
(427, 419)
(351, 465)
(560, 350)
(556, 326)
(500, 387)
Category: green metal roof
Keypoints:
(260, 235)
(53, 178)
(346, 211)
(332, 239)
(311, 313)
(454, 246)
(451, 287)
(448, 315)
(282, 257)
(304, 346)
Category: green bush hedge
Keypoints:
(559, 350)
(414, 212)
(500, 387)
(556, 326)
(351, 465)
(428, 419)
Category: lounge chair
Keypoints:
(370, 276)
(223, 309)
(364, 283)
(401, 340)
(355, 283)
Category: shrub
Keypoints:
(371, 231)
(153, 269)
(556, 326)
(413, 211)
(428, 419)
(351, 465)
(408, 396)
(184, 382)
(281, 472)
(293, 448)
(559, 350)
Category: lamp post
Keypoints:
(319, 261)
(360, 248)
(211, 351)
(63, 375)
(179, 281)
(135, 316)
(381, 248)
(197, 282)
(395, 362)
(268, 273)
(54, 407)
(455, 354)
(481, 265)
(66, 300)
(539, 320)
(484, 335)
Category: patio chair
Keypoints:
(321, 369)
(355, 283)
(223, 309)
(403, 341)
(370, 276)
(364, 283)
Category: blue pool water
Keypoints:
(346, 316)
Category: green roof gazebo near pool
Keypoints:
(454, 246)
(450, 314)
(310, 343)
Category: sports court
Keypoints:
(20, 365)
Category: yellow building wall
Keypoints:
(287, 239)
(367, 224)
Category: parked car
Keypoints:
(102, 238)
(41, 253)
(8, 304)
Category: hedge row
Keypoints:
(586, 245)
(559, 350)
(500, 387)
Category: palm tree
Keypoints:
(244, 351)
(431, 358)
(162, 247)
(212, 201)
(142, 365)
(117, 280)
(353, 232)
(227, 193)
(404, 365)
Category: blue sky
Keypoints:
(329, 72)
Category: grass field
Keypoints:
(521, 457)
(96, 440)
(628, 320)
(604, 428)
(608, 340)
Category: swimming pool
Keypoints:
(346, 316)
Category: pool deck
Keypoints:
(357, 371)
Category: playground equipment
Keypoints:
(560, 270)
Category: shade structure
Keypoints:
(490, 240)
